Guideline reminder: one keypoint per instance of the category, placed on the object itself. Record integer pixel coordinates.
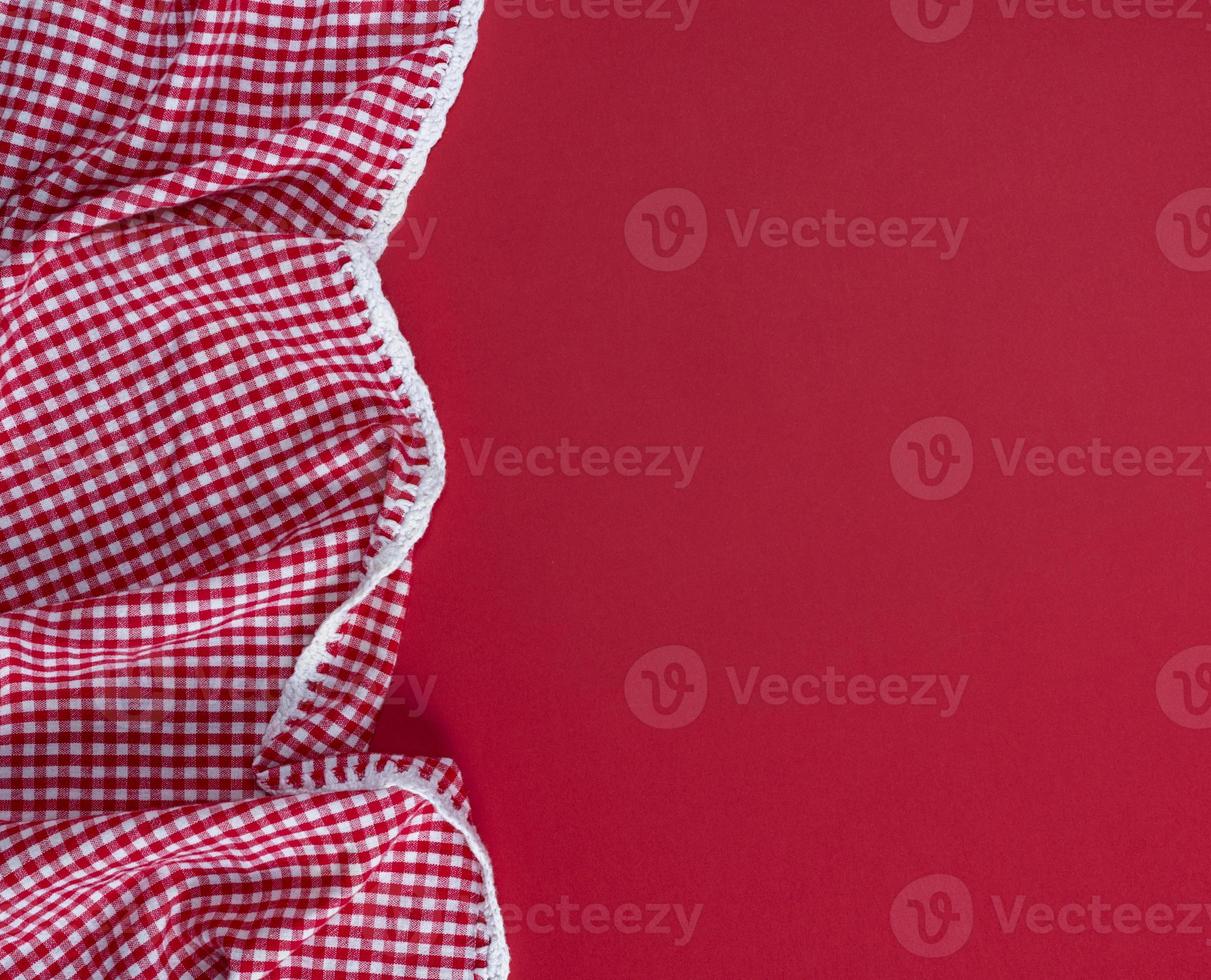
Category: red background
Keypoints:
(794, 548)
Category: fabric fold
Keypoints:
(218, 458)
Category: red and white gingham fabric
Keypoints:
(217, 457)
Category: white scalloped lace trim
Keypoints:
(384, 327)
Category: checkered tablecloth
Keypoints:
(217, 457)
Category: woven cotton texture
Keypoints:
(217, 457)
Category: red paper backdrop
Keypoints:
(794, 549)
